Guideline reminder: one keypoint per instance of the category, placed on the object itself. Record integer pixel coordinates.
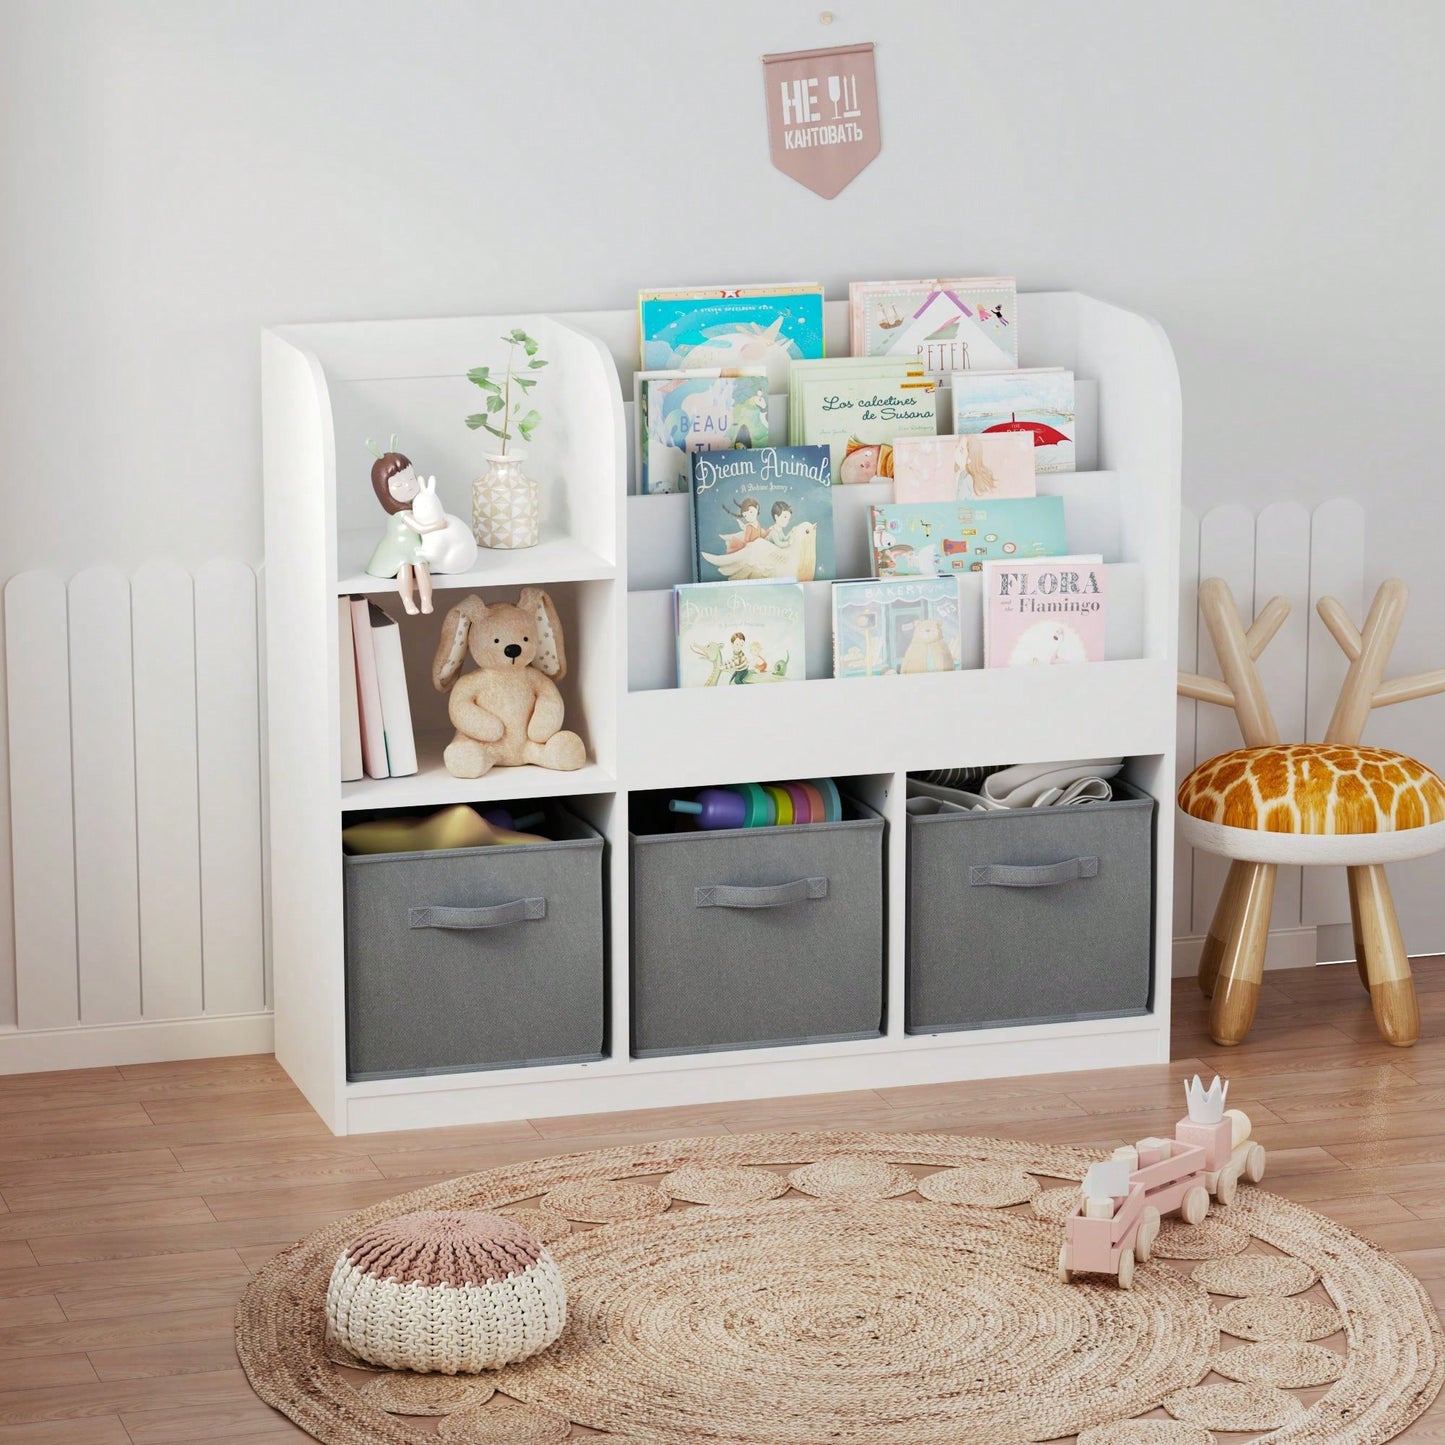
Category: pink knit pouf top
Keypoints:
(445, 1291)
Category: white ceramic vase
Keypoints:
(506, 505)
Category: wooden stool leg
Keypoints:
(1241, 968)
(1359, 931)
(1224, 911)
(1392, 989)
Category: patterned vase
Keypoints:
(506, 506)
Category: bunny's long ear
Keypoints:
(452, 647)
(551, 655)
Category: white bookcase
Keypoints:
(609, 560)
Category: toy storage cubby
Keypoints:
(609, 558)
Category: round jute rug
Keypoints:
(850, 1308)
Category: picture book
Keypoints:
(1036, 614)
(882, 629)
(765, 514)
(730, 633)
(681, 412)
(731, 328)
(989, 465)
(1038, 401)
(858, 421)
(932, 539)
(949, 324)
(842, 368)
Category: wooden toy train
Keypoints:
(1118, 1215)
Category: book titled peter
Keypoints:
(732, 634)
(1037, 614)
(763, 514)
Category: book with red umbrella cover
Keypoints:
(1035, 400)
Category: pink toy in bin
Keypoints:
(1117, 1220)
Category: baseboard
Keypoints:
(1287, 948)
(159, 1041)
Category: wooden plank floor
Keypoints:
(136, 1202)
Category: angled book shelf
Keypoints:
(609, 558)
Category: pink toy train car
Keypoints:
(1117, 1220)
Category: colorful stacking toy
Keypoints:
(763, 805)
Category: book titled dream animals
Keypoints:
(763, 514)
(747, 634)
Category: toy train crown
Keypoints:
(1206, 1106)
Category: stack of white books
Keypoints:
(376, 733)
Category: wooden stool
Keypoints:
(1271, 803)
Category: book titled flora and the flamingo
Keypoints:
(682, 412)
(762, 515)
(887, 629)
(1122, 1201)
(1038, 401)
(960, 323)
(1037, 614)
(933, 539)
(731, 328)
(985, 467)
(732, 634)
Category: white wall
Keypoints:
(1261, 175)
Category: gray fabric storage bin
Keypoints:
(1033, 915)
(757, 936)
(475, 958)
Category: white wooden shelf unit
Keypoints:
(609, 560)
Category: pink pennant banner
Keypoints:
(822, 115)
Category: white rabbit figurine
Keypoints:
(446, 541)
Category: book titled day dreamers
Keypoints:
(1039, 402)
(1038, 614)
(764, 514)
(887, 629)
(681, 412)
(739, 634)
(932, 539)
(732, 328)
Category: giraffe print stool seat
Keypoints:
(1314, 803)
(1272, 803)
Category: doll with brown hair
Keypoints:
(399, 552)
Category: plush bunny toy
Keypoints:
(508, 711)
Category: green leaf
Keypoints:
(525, 382)
(533, 365)
(531, 347)
(516, 334)
(479, 375)
(529, 424)
(476, 420)
(494, 403)
(489, 427)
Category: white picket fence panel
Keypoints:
(135, 773)
(1285, 550)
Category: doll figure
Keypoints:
(399, 552)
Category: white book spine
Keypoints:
(395, 701)
(350, 711)
(373, 733)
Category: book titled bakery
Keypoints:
(1038, 614)
(960, 323)
(1038, 402)
(983, 467)
(764, 514)
(890, 628)
(731, 328)
(747, 634)
(682, 412)
(859, 420)
(933, 539)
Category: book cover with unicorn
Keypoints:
(739, 634)
(1040, 614)
(681, 412)
(959, 323)
(763, 515)
(732, 328)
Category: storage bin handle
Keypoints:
(773, 895)
(1045, 875)
(519, 910)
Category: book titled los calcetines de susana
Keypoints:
(763, 514)
(859, 420)
(1039, 613)
(681, 412)
(735, 634)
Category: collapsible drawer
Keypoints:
(757, 936)
(475, 958)
(1028, 916)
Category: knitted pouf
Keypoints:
(445, 1292)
